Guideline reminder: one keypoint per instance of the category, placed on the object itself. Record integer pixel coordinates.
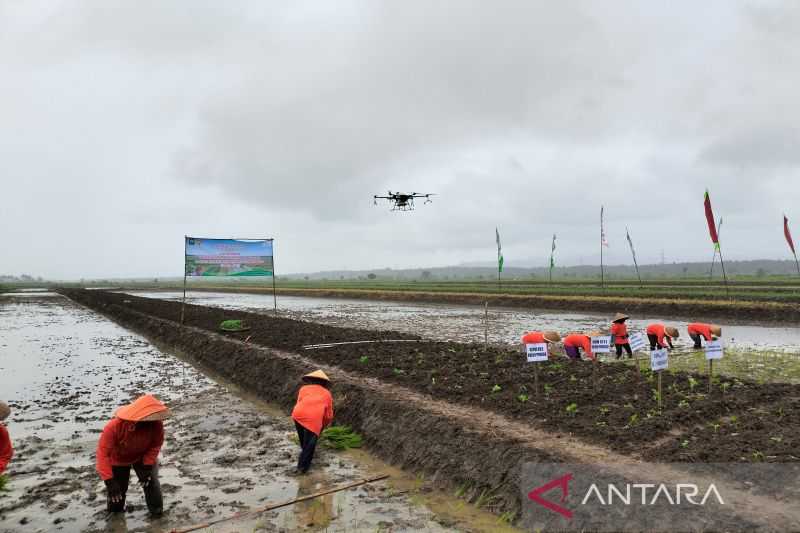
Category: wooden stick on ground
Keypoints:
(279, 505)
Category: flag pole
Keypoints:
(714, 258)
(722, 264)
(274, 292)
(628, 234)
(796, 263)
(602, 275)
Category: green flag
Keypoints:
(499, 251)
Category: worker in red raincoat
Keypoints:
(312, 413)
(133, 438)
(539, 337)
(698, 330)
(619, 330)
(575, 342)
(6, 450)
(658, 333)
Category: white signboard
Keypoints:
(601, 344)
(637, 342)
(537, 352)
(658, 359)
(714, 349)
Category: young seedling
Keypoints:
(363, 359)
(692, 383)
(715, 426)
(522, 398)
(684, 443)
(496, 388)
(603, 410)
(758, 456)
(398, 371)
(683, 404)
(548, 388)
(633, 420)
(572, 409)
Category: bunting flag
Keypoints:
(499, 251)
(712, 229)
(552, 252)
(787, 234)
(630, 242)
(603, 240)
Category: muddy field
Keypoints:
(610, 404)
(64, 369)
(461, 323)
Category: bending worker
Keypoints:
(312, 413)
(538, 337)
(6, 450)
(620, 333)
(658, 333)
(133, 438)
(573, 344)
(708, 332)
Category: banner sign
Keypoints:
(228, 257)
(637, 342)
(601, 344)
(714, 349)
(537, 352)
(658, 359)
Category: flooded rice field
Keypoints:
(64, 370)
(463, 323)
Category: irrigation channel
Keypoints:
(465, 323)
(64, 369)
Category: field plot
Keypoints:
(66, 369)
(613, 405)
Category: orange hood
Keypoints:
(146, 408)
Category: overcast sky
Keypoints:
(127, 125)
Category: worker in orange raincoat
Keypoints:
(698, 330)
(133, 438)
(657, 333)
(6, 450)
(619, 330)
(573, 344)
(312, 413)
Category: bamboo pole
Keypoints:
(271, 507)
(486, 325)
(714, 257)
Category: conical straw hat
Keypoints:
(716, 330)
(146, 408)
(671, 332)
(5, 410)
(551, 336)
(317, 374)
(620, 316)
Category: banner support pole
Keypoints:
(724, 276)
(274, 292)
(714, 257)
(796, 263)
(183, 302)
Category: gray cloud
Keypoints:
(144, 121)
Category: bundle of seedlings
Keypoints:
(233, 325)
(341, 438)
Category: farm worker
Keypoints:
(708, 332)
(6, 450)
(573, 343)
(133, 438)
(657, 333)
(312, 413)
(538, 337)
(620, 333)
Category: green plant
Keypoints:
(684, 443)
(758, 456)
(572, 409)
(461, 490)
(692, 383)
(656, 396)
(363, 359)
(507, 517)
(715, 426)
(484, 498)
(523, 397)
(340, 438)
(683, 403)
(603, 410)
(232, 325)
(3, 482)
(548, 388)
(633, 420)
(725, 386)
(572, 378)
(496, 388)
(776, 439)
(398, 371)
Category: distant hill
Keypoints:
(756, 267)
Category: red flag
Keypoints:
(712, 227)
(787, 234)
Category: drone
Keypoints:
(403, 201)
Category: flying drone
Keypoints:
(402, 201)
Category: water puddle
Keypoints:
(65, 369)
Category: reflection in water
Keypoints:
(316, 513)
